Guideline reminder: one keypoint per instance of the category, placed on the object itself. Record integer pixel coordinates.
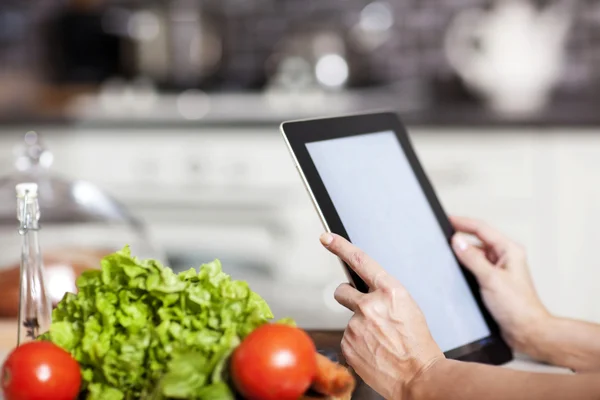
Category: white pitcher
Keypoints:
(513, 54)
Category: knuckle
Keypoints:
(365, 306)
(388, 291)
(394, 290)
(345, 338)
(396, 294)
(357, 258)
(381, 279)
(346, 349)
(353, 326)
(344, 345)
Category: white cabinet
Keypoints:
(538, 187)
(576, 222)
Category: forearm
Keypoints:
(449, 380)
(567, 343)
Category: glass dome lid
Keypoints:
(62, 201)
(79, 224)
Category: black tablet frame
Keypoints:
(490, 350)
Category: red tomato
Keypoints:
(40, 371)
(274, 362)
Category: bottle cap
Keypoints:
(29, 189)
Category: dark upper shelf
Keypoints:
(560, 114)
(268, 110)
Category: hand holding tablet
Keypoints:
(386, 354)
(368, 186)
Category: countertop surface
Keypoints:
(327, 342)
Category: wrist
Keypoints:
(525, 336)
(417, 388)
(535, 342)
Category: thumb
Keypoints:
(473, 258)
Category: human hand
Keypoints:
(500, 266)
(387, 340)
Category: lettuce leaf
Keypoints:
(138, 330)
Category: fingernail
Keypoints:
(326, 239)
(459, 243)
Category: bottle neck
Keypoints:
(28, 214)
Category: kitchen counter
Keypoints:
(327, 342)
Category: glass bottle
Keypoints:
(35, 307)
(81, 223)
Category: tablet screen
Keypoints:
(386, 213)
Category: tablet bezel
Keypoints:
(490, 350)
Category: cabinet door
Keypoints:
(485, 174)
(577, 222)
(504, 177)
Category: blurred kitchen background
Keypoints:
(155, 123)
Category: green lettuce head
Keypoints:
(138, 330)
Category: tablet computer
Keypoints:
(368, 186)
